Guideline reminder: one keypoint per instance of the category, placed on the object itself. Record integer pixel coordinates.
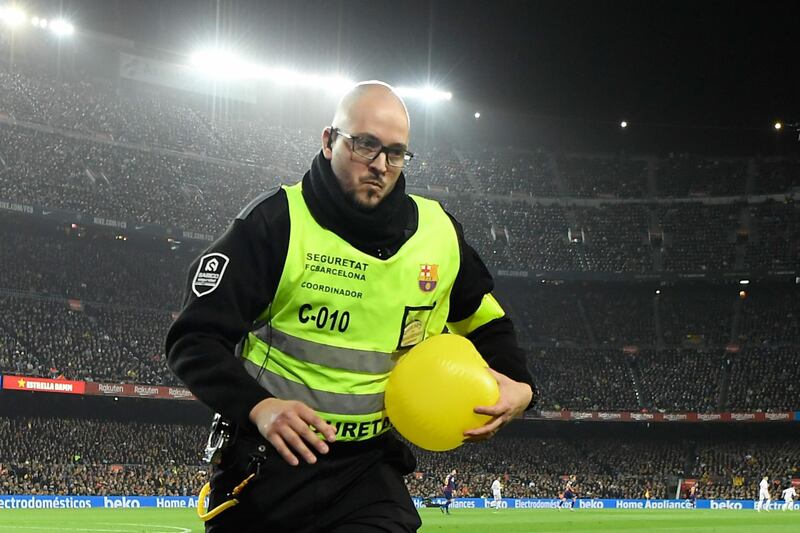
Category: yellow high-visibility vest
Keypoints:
(341, 318)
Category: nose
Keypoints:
(378, 165)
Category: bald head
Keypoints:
(369, 98)
(372, 112)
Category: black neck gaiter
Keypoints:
(382, 228)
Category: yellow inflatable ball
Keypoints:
(433, 389)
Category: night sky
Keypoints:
(724, 68)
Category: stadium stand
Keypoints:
(92, 303)
(102, 457)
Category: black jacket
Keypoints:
(201, 342)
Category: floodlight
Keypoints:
(226, 65)
(778, 126)
(429, 94)
(62, 28)
(283, 76)
(12, 16)
(623, 124)
(221, 64)
(477, 115)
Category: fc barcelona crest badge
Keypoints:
(428, 277)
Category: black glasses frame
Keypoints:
(407, 156)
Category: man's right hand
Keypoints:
(287, 424)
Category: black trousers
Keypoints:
(357, 487)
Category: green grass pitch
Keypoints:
(461, 520)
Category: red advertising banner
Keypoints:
(132, 390)
(777, 416)
(64, 386)
(26, 383)
(627, 416)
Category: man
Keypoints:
(763, 495)
(568, 494)
(788, 495)
(497, 497)
(448, 489)
(318, 288)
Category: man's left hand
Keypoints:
(514, 398)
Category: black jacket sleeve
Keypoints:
(201, 343)
(496, 341)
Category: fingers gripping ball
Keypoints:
(433, 389)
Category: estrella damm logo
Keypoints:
(428, 277)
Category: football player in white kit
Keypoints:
(496, 488)
(763, 494)
(788, 498)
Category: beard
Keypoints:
(366, 200)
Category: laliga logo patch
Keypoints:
(428, 277)
(209, 273)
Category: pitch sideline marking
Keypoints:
(177, 529)
(160, 528)
(42, 528)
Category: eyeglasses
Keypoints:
(370, 148)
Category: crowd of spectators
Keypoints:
(126, 184)
(583, 379)
(50, 338)
(100, 457)
(620, 317)
(537, 467)
(697, 316)
(537, 237)
(682, 175)
(101, 442)
(615, 238)
(732, 468)
(438, 169)
(479, 229)
(604, 177)
(101, 480)
(765, 379)
(146, 157)
(96, 266)
(699, 237)
(681, 380)
(544, 314)
(154, 187)
(112, 110)
(96, 457)
(771, 316)
(779, 175)
(775, 240)
(114, 328)
(107, 109)
(503, 171)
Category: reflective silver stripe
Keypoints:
(329, 402)
(330, 356)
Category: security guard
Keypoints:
(295, 317)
